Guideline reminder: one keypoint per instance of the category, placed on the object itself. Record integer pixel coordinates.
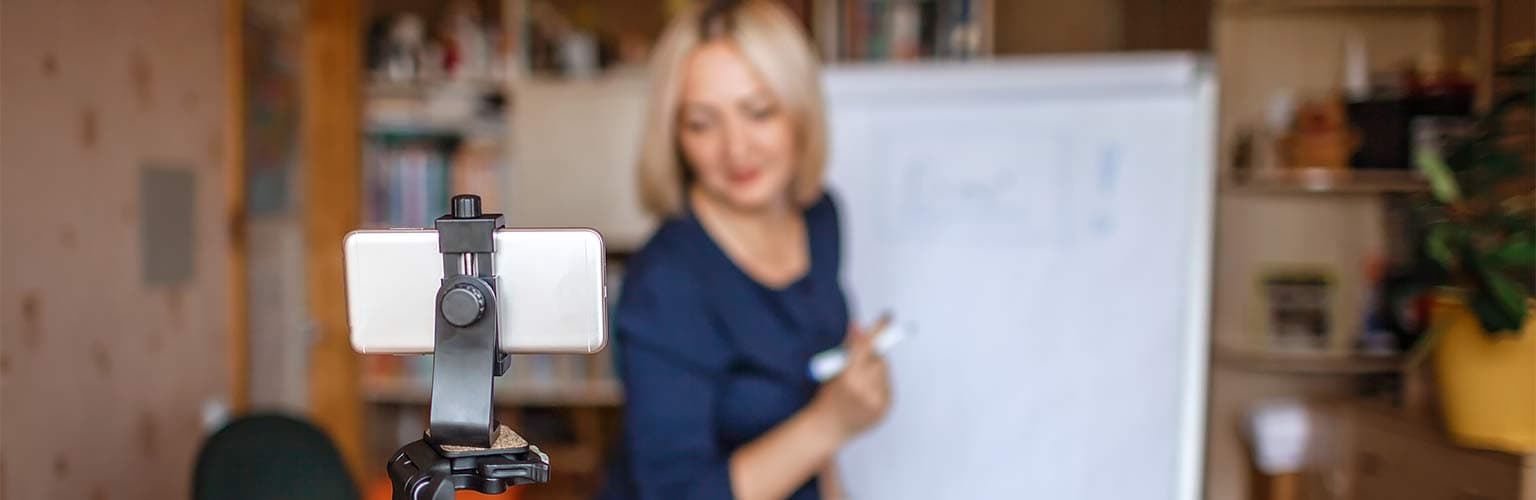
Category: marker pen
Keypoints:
(829, 363)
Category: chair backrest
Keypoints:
(266, 457)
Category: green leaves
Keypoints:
(1442, 182)
(1498, 300)
(1441, 242)
(1505, 311)
(1518, 254)
(1494, 320)
(1479, 223)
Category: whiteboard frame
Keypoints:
(1197, 318)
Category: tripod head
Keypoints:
(463, 447)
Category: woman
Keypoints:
(724, 307)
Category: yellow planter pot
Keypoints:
(1487, 384)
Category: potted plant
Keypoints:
(1479, 237)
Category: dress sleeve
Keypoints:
(670, 360)
(827, 232)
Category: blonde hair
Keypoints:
(772, 41)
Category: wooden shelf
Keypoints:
(595, 393)
(423, 89)
(419, 128)
(1307, 180)
(1425, 428)
(1306, 364)
(416, 109)
(1260, 6)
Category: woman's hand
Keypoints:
(859, 396)
(784, 458)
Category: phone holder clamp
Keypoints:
(458, 450)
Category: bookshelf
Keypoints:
(437, 119)
(888, 30)
(437, 122)
(1343, 220)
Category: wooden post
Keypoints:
(1281, 487)
(330, 128)
(234, 211)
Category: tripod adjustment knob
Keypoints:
(463, 305)
(466, 206)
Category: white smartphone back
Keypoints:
(550, 290)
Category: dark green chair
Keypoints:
(270, 457)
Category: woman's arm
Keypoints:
(775, 464)
(778, 462)
(831, 483)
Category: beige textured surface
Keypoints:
(102, 377)
(505, 438)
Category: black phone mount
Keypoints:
(457, 451)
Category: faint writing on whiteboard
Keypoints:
(987, 189)
(1103, 219)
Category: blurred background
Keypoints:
(178, 175)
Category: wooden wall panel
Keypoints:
(234, 193)
(1166, 24)
(1516, 21)
(1048, 26)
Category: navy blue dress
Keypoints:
(712, 359)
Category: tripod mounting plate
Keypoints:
(504, 441)
(421, 471)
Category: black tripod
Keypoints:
(457, 451)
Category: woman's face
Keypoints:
(737, 137)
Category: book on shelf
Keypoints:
(903, 30)
(409, 180)
(404, 182)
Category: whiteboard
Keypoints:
(1044, 227)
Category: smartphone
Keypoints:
(550, 289)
